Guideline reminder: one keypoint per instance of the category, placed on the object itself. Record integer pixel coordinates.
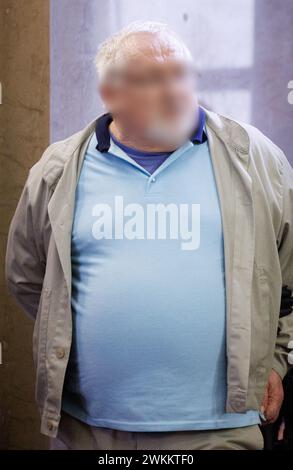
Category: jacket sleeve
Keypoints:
(284, 341)
(25, 261)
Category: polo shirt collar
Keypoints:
(198, 136)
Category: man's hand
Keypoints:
(273, 398)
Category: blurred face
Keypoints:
(154, 94)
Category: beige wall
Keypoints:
(24, 133)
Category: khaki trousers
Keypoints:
(76, 435)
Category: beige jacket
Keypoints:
(255, 186)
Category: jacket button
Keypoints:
(50, 425)
(60, 353)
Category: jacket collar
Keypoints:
(198, 135)
(229, 130)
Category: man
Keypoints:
(151, 249)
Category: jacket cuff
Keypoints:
(280, 365)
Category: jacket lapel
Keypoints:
(61, 205)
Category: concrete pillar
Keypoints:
(24, 134)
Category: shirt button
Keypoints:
(153, 179)
(60, 353)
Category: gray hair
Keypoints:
(113, 52)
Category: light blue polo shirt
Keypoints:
(148, 295)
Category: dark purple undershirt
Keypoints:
(148, 160)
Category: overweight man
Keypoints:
(151, 249)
